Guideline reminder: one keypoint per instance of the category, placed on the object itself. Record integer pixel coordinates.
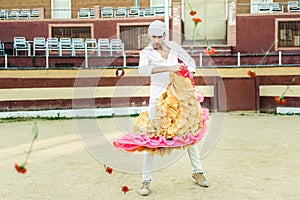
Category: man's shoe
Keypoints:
(145, 191)
(200, 179)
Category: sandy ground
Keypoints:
(256, 157)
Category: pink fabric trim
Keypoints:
(131, 142)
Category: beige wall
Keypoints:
(213, 15)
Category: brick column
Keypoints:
(41, 12)
(176, 22)
(231, 23)
(97, 12)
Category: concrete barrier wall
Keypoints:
(225, 89)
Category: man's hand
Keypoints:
(173, 68)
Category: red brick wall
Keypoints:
(256, 32)
(30, 29)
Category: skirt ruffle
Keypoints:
(131, 142)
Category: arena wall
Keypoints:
(224, 89)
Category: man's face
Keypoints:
(157, 41)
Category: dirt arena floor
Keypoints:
(256, 157)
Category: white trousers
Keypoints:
(194, 159)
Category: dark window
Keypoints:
(71, 32)
(289, 34)
(134, 37)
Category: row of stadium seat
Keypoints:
(71, 45)
(19, 14)
(110, 12)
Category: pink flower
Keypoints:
(199, 95)
(184, 72)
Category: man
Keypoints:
(158, 60)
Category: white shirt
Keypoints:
(150, 58)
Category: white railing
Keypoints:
(238, 59)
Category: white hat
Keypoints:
(157, 28)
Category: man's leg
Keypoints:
(196, 166)
(147, 173)
(148, 158)
(195, 159)
(147, 167)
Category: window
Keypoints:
(71, 31)
(134, 36)
(158, 3)
(61, 9)
(288, 34)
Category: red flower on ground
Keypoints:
(125, 189)
(109, 170)
(251, 73)
(193, 12)
(209, 51)
(280, 100)
(21, 169)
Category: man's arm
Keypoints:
(146, 69)
(185, 57)
(159, 69)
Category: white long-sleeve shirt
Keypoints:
(150, 58)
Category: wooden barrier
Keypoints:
(225, 89)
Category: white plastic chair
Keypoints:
(149, 12)
(159, 11)
(92, 13)
(52, 45)
(84, 13)
(134, 11)
(107, 12)
(104, 45)
(77, 45)
(275, 7)
(264, 8)
(39, 44)
(20, 44)
(117, 45)
(3, 14)
(91, 45)
(2, 49)
(24, 14)
(65, 44)
(35, 13)
(14, 14)
(121, 12)
(293, 6)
